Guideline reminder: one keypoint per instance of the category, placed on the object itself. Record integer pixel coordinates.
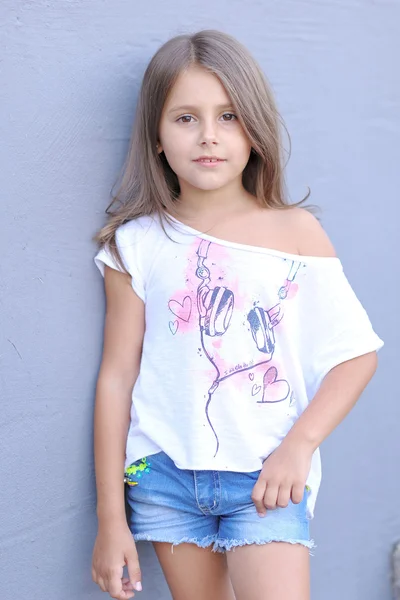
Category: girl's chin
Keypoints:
(207, 184)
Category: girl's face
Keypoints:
(198, 120)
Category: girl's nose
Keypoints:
(208, 133)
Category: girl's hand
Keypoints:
(283, 477)
(114, 547)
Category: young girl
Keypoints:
(233, 344)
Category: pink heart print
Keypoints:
(182, 310)
(275, 390)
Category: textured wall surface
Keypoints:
(70, 74)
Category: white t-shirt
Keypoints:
(237, 341)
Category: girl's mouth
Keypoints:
(209, 162)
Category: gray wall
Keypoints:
(70, 75)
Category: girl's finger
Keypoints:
(271, 496)
(125, 595)
(114, 586)
(101, 584)
(297, 493)
(127, 586)
(283, 498)
(258, 496)
(134, 573)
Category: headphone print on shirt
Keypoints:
(215, 307)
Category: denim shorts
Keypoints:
(167, 504)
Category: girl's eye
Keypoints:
(233, 117)
(184, 117)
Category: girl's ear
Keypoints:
(159, 148)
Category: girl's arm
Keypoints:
(285, 471)
(123, 339)
(338, 393)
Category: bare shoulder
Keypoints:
(312, 239)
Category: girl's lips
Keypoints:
(208, 163)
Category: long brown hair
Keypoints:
(148, 185)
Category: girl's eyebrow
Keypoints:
(195, 108)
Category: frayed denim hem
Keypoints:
(220, 545)
(226, 545)
(201, 543)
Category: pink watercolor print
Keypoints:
(217, 343)
(236, 333)
(294, 288)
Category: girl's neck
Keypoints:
(199, 205)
